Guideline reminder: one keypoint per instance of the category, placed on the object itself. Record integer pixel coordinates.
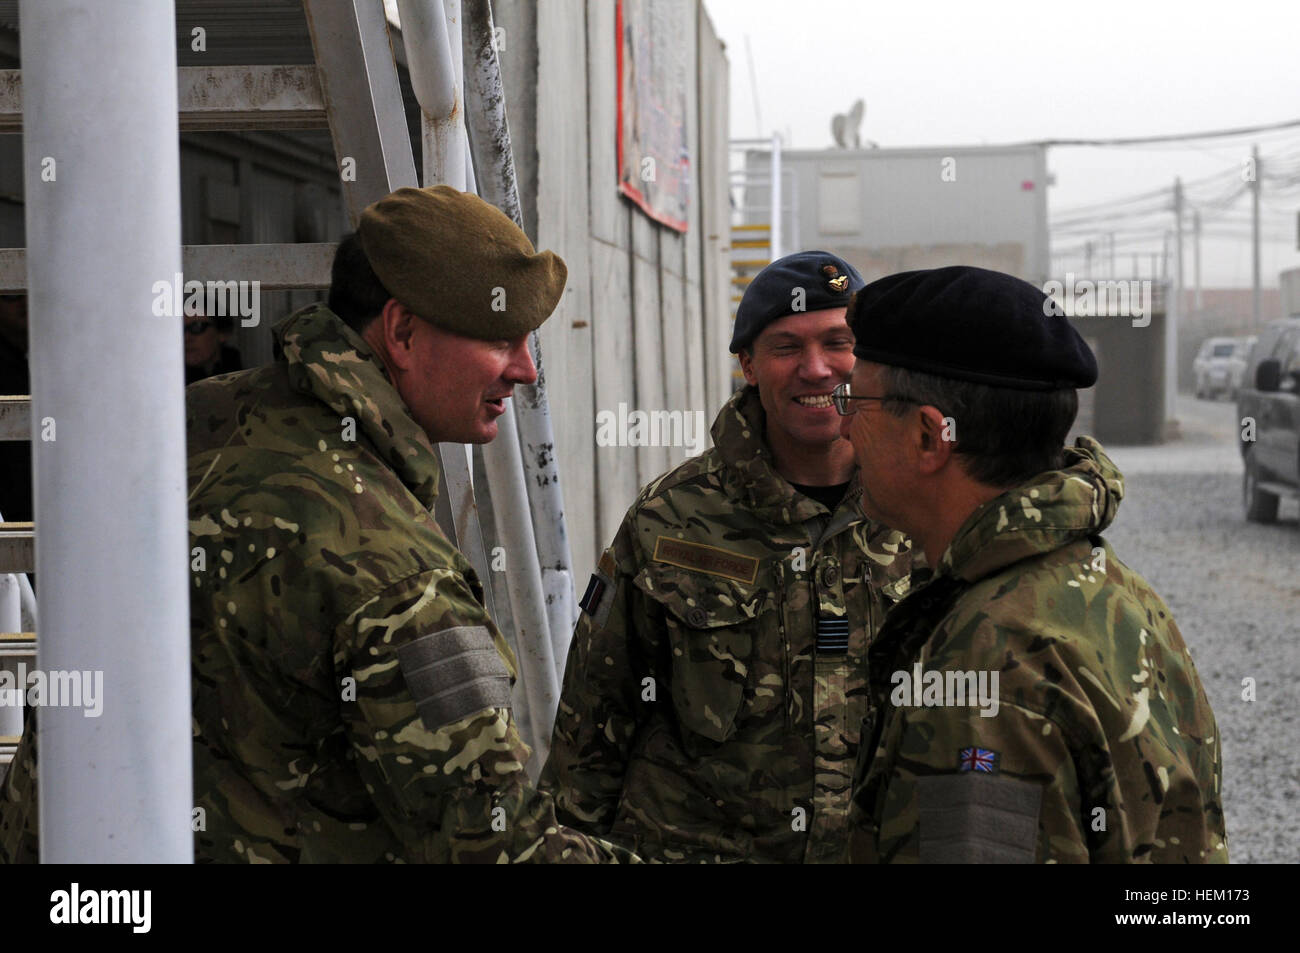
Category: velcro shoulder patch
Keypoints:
(598, 599)
(706, 559)
(971, 818)
(454, 673)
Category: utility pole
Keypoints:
(1196, 251)
(1087, 259)
(1254, 237)
(1173, 313)
(1178, 240)
(1110, 241)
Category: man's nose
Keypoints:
(816, 365)
(521, 369)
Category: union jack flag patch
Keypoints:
(977, 759)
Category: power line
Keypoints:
(1164, 193)
(1173, 137)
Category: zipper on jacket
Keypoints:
(786, 687)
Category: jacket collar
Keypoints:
(739, 435)
(330, 361)
(1047, 512)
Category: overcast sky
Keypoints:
(941, 72)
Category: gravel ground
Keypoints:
(1234, 588)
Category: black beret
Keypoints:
(827, 281)
(971, 324)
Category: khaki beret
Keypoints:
(460, 263)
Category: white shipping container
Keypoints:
(887, 210)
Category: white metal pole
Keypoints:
(1174, 309)
(486, 115)
(102, 185)
(775, 169)
(431, 56)
(1254, 240)
(11, 708)
(1196, 251)
(514, 530)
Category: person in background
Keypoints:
(206, 351)
(15, 455)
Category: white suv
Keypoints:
(1219, 366)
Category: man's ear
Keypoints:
(395, 330)
(746, 358)
(935, 438)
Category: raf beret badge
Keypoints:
(836, 281)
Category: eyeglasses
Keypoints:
(840, 397)
(197, 327)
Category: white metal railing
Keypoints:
(782, 193)
(17, 644)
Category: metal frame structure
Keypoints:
(774, 179)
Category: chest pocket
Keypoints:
(714, 631)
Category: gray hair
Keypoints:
(1004, 436)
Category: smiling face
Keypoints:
(456, 386)
(796, 362)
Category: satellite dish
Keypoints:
(846, 127)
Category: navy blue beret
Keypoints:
(971, 324)
(827, 282)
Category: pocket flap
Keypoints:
(711, 626)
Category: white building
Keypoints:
(890, 210)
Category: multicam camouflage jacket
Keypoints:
(1096, 742)
(351, 694)
(716, 683)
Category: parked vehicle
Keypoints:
(1221, 365)
(1269, 407)
(1240, 362)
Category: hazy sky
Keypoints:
(940, 72)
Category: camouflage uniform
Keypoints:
(1103, 747)
(697, 720)
(350, 691)
(19, 806)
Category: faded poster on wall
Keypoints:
(654, 163)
